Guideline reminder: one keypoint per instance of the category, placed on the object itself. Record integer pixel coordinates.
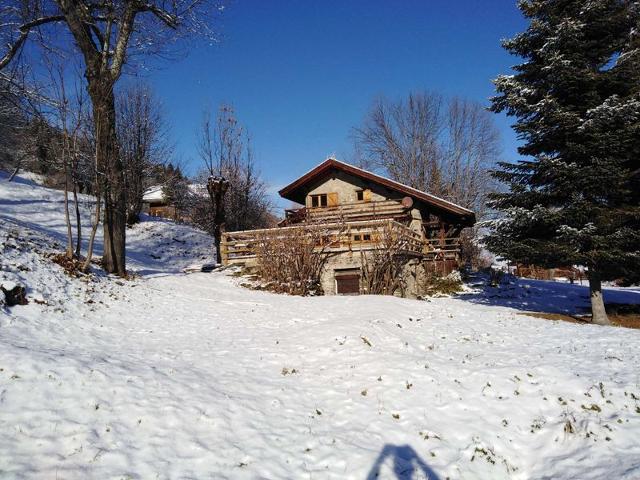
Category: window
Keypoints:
(365, 237)
(319, 200)
(360, 195)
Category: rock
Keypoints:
(15, 295)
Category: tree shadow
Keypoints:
(543, 295)
(407, 464)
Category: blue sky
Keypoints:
(301, 74)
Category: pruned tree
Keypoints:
(106, 35)
(236, 197)
(576, 96)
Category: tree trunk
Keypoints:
(78, 219)
(92, 235)
(67, 217)
(598, 313)
(219, 225)
(217, 187)
(111, 176)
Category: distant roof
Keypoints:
(156, 194)
(153, 194)
(294, 192)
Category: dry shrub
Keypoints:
(72, 266)
(382, 267)
(291, 260)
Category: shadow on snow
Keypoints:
(543, 295)
(406, 464)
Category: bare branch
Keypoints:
(125, 31)
(169, 20)
(24, 30)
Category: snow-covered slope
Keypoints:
(193, 376)
(153, 246)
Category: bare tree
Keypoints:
(106, 34)
(444, 147)
(70, 150)
(142, 131)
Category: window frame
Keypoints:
(317, 200)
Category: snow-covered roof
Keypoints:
(153, 194)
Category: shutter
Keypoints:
(332, 199)
(367, 195)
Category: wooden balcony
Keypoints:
(337, 237)
(442, 248)
(348, 212)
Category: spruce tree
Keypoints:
(575, 198)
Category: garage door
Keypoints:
(348, 284)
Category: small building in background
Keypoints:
(155, 204)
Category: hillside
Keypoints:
(170, 375)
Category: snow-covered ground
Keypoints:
(192, 376)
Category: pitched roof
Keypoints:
(292, 191)
(153, 194)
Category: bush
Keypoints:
(291, 260)
(437, 285)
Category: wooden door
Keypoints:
(348, 284)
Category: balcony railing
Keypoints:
(442, 248)
(347, 212)
(240, 247)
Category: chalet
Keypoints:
(355, 205)
(156, 204)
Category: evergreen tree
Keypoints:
(575, 200)
(175, 189)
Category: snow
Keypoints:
(25, 204)
(193, 376)
(153, 194)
